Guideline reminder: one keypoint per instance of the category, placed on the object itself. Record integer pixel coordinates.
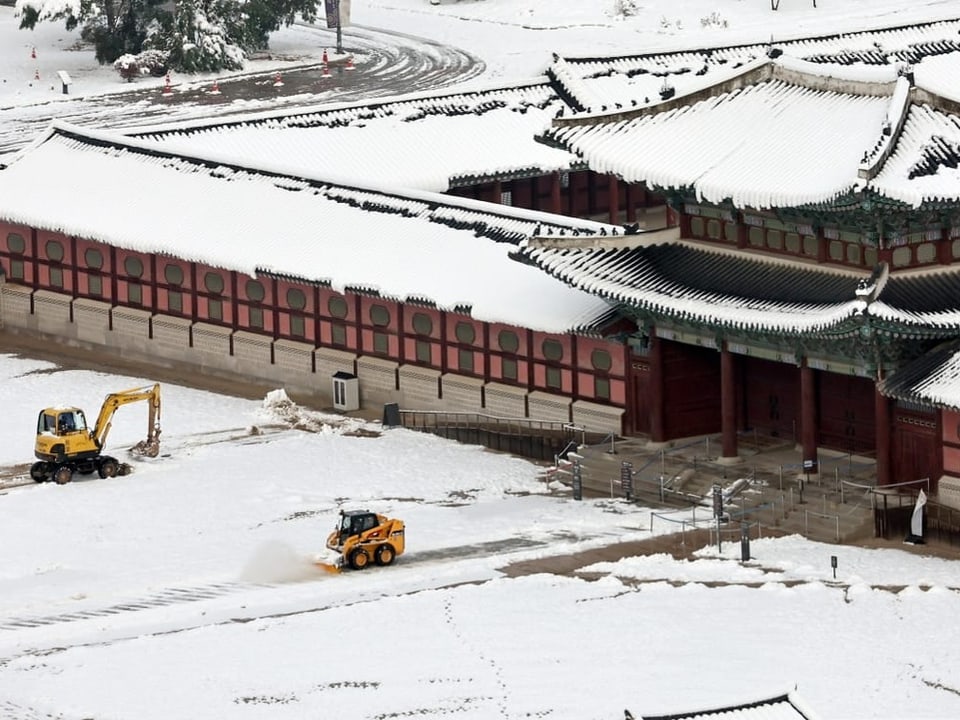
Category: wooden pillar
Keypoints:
(631, 203)
(728, 401)
(657, 418)
(808, 412)
(555, 204)
(497, 191)
(945, 247)
(884, 432)
(613, 199)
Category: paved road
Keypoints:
(386, 64)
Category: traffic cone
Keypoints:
(277, 81)
(324, 56)
(326, 71)
(214, 89)
(350, 63)
(33, 54)
(36, 74)
(167, 88)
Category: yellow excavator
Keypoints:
(362, 537)
(67, 445)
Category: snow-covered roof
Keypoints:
(931, 379)
(788, 706)
(770, 143)
(815, 133)
(453, 252)
(592, 82)
(719, 287)
(749, 292)
(426, 141)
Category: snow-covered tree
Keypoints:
(203, 35)
(196, 35)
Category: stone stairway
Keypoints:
(766, 487)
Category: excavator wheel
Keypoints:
(385, 554)
(359, 559)
(38, 472)
(62, 474)
(107, 467)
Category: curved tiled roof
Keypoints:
(713, 287)
(771, 144)
(931, 379)
(427, 141)
(622, 80)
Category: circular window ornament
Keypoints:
(213, 282)
(16, 243)
(133, 267)
(552, 350)
(93, 258)
(54, 250)
(465, 333)
(379, 315)
(422, 324)
(296, 299)
(255, 290)
(173, 274)
(601, 360)
(509, 341)
(337, 306)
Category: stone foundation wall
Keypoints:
(177, 343)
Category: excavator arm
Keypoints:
(149, 394)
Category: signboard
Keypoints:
(332, 8)
(626, 480)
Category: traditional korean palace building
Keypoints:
(815, 275)
(755, 238)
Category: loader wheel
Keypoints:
(385, 555)
(38, 472)
(359, 559)
(107, 467)
(62, 474)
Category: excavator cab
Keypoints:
(61, 421)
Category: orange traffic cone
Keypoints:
(277, 81)
(326, 71)
(324, 56)
(215, 88)
(33, 54)
(167, 87)
(350, 63)
(36, 74)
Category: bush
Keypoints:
(130, 66)
(154, 62)
(127, 66)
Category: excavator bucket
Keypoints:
(149, 447)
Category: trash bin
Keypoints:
(346, 391)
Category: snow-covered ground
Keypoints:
(188, 590)
(514, 38)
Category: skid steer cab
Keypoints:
(362, 537)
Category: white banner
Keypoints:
(332, 7)
(916, 522)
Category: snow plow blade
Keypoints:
(329, 567)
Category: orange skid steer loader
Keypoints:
(362, 537)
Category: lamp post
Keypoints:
(336, 5)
